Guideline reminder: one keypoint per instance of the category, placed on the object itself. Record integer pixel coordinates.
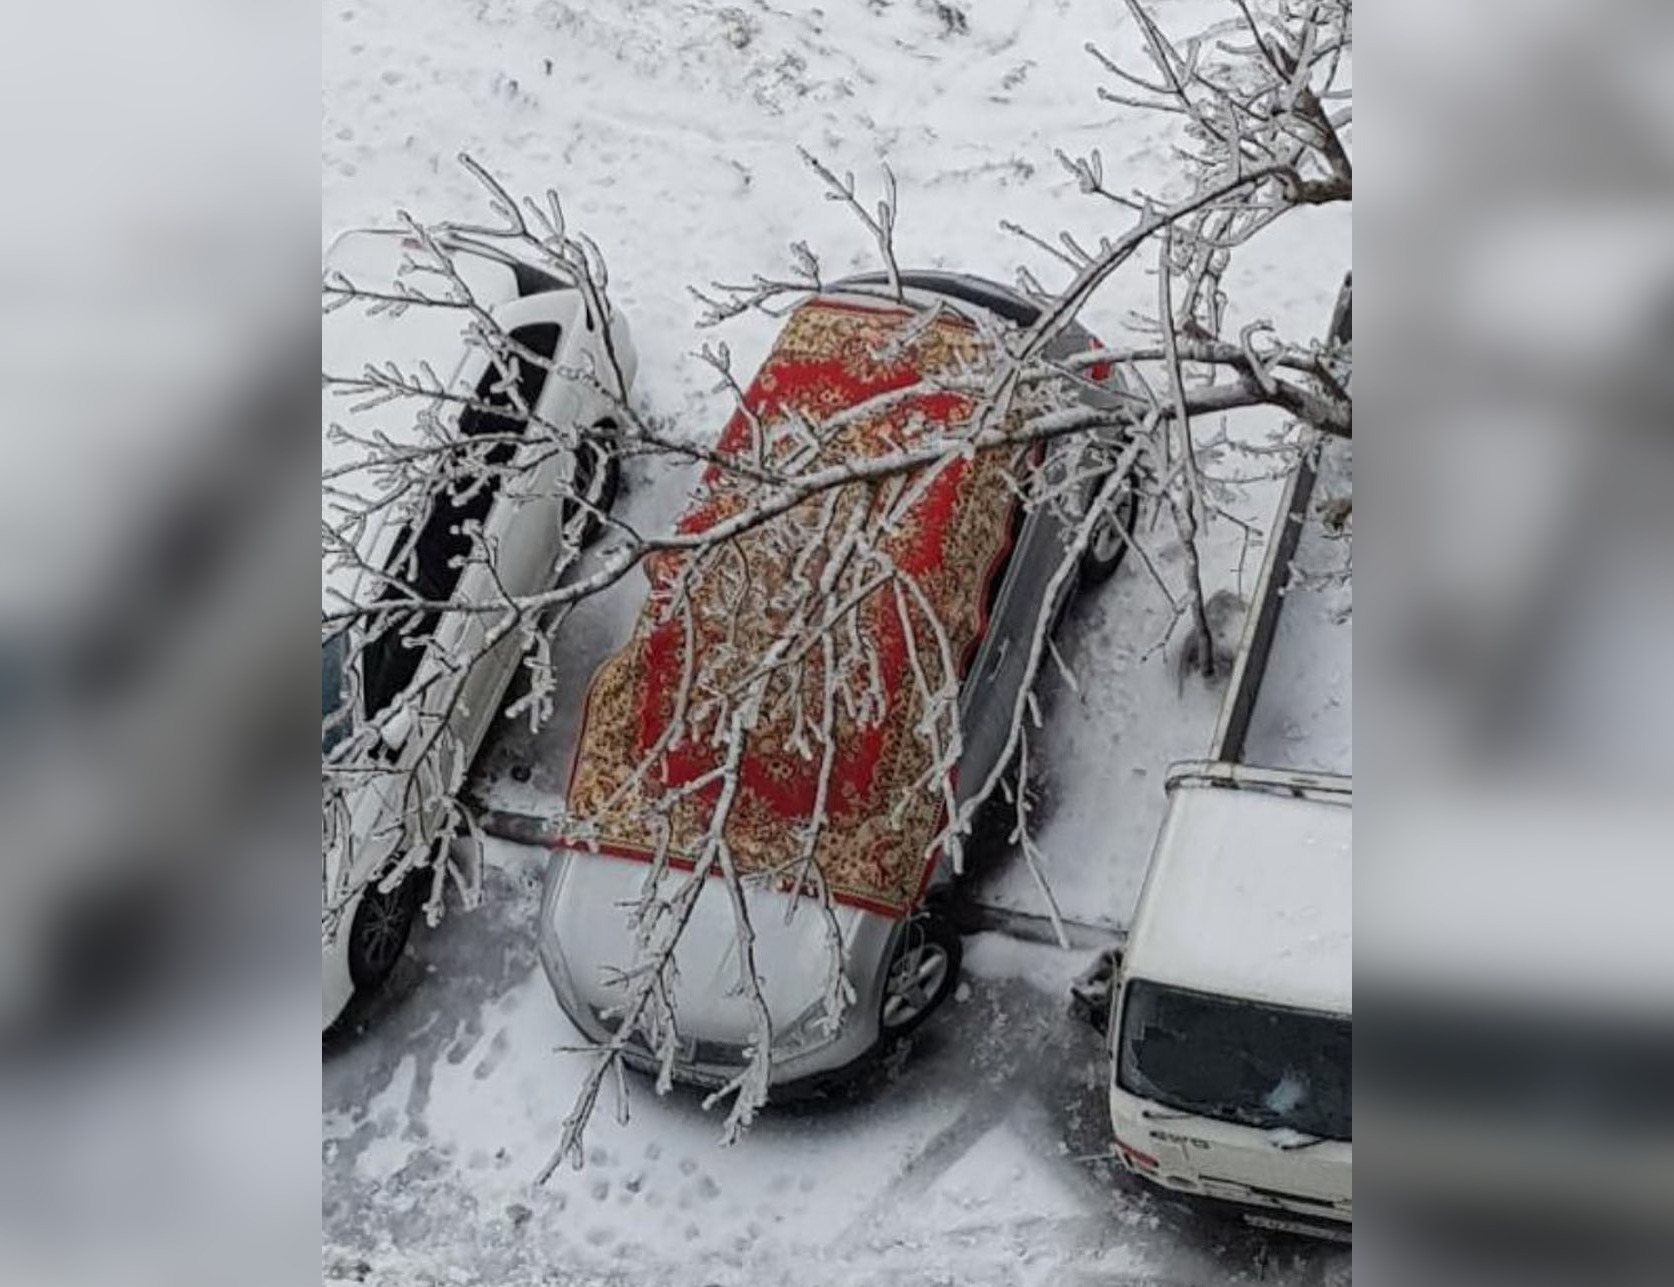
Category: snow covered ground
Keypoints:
(669, 129)
(976, 1159)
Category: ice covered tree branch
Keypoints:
(771, 608)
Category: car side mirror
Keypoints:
(1091, 991)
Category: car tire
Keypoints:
(923, 971)
(378, 934)
(1108, 544)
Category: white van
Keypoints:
(1231, 1018)
(1230, 1010)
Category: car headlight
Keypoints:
(813, 1028)
(547, 946)
(552, 881)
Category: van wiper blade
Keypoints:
(1151, 1115)
(1289, 1141)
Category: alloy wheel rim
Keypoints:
(1107, 539)
(914, 983)
(380, 930)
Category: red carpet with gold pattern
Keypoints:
(948, 532)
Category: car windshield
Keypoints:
(1237, 1061)
(334, 720)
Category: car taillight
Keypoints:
(1100, 372)
(1143, 1161)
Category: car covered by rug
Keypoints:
(773, 775)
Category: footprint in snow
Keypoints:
(496, 1052)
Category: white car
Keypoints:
(430, 670)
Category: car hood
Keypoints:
(587, 929)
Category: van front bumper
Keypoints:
(1263, 1208)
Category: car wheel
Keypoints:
(599, 475)
(1109, 541)
(922, 972)
(379, 931)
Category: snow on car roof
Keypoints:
(1250, 894)
(831, 360)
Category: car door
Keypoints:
(996, 678)
(551, 325)
(524, 522)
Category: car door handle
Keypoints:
(1000, 651)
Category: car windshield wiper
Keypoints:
(1283, 1137)
(1152, 1115)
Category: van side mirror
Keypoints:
(1092, 990)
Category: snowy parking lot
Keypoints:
(978, 1158)
(981, 1156)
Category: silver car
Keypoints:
(900, 968)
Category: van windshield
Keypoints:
(1237, 1061)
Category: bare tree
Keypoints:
(792, 659)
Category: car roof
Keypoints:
(967, 288)
(1250, 894)
(827, 359)
(922, 287)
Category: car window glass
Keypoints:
(391, 660)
